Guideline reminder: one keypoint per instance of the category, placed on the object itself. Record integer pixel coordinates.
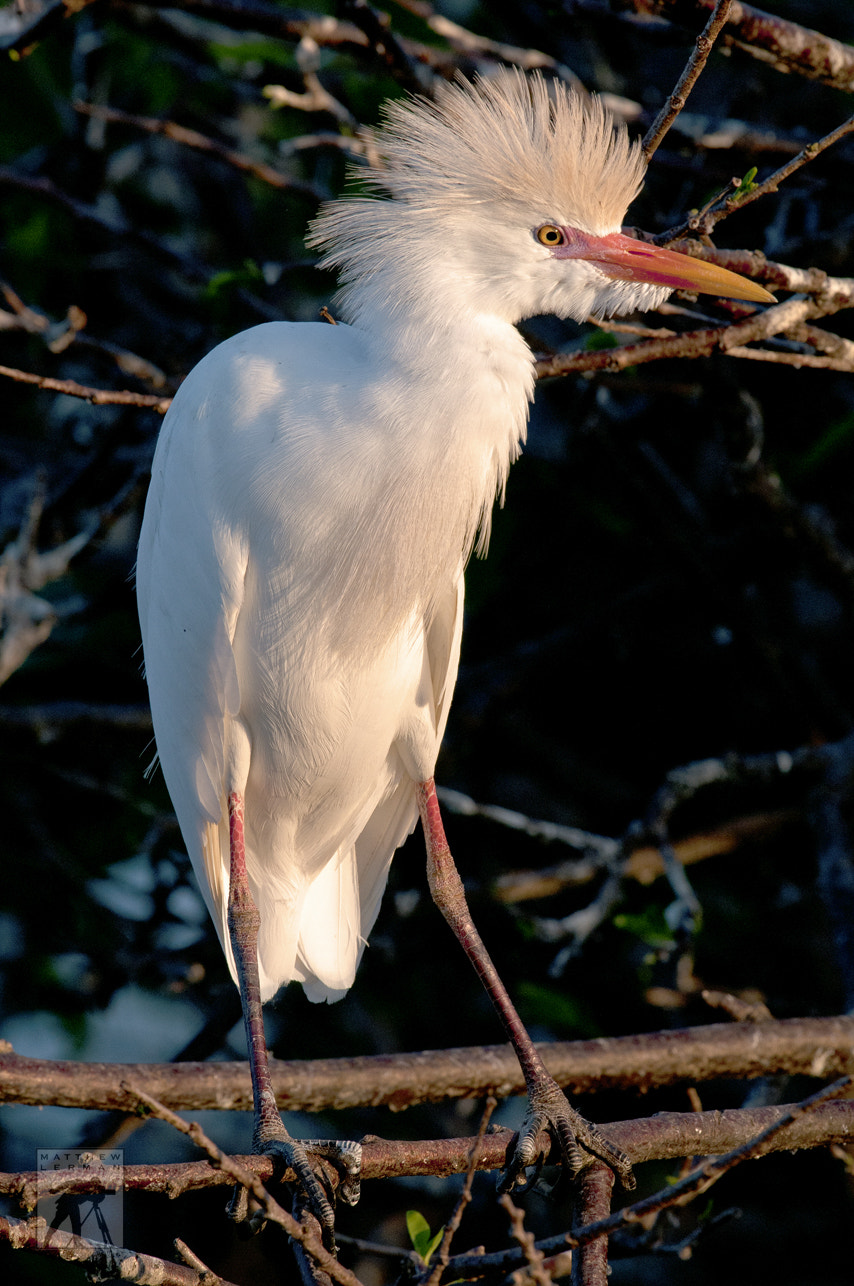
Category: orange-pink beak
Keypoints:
(626, 259)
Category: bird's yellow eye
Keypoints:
(549, 235)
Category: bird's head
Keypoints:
(506, 197)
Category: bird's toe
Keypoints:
(551, 1119)
(292, 1154)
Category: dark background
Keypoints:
(641, 608)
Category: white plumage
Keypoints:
(317, 490)
(312, 692)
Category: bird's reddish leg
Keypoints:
(548, 1109)
(270, 1138)
(243, 924)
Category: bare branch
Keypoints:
(787, 46)
(699, 343)
(643, 863)
(665, 1136)
(705, 220)
(593, 1204)
(202, 143)
(766, 1139)
(699, 57)
(237, 1173)
(808, 1046)
(471, 43)
(60, 336)
(101, 1261)
(701, 1178)
(97, 396)
(26, 620)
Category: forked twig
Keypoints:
(701, 1177)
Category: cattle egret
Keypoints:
(315, 494)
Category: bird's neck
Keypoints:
(446, 349)
(438, 316)
(457, 377)
(469, 377)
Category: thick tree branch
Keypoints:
(100, 1260)
(787, 46)
(797, 1046)
(665, 1136)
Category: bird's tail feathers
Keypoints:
(331, 941)
(316, 935)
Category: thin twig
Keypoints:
(272, 1211)
(705, 221)
(471, 43)
(703, 1176)
(465, 1196)
(699, 1179)
(699, 56)
(377, 29)
(97, 396)
(796, 360)
(200, 143)
(533, 1257)
(207, 1277)
(761, 325)
(809, 153)
(58, 337)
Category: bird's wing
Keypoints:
(355, 878)
(444, 636)
(190, 577)
(395, 817)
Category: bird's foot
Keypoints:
(295, 1154)
(550, 1118)
(346, 1156)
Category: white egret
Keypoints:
(315, 494)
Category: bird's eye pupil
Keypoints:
(549, 235)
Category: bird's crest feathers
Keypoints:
(512, 138)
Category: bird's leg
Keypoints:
(548, 1109)
(270, 1138)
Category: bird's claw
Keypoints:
(346, 1156)
(293, 1154)
(551, 1119)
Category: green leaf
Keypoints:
(650, 926)
(746, 186)
(423, 1241)
(230, 278)
(598, 339)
